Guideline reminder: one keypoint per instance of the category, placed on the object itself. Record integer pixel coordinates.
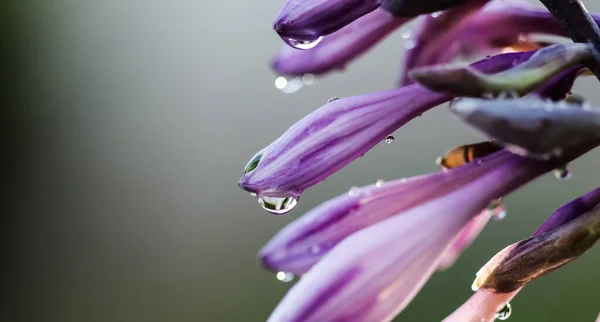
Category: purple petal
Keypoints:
(434, 36)
(570, 211)
(339, 48)
(479, 34)
(373, 274)
(334, 135)
(310, 19)
(463, 240)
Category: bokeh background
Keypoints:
(126, 125)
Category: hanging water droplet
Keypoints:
(285, 276)
(302, 44)
(389, 139)
(308, 79)
(504, 313)
(496, 210)
(379, 183)
(253, 194)
(410, 44)
(315, 249)
(563, 173)
(276, 205)
(333, 99)
(437, 14)
(289, 86)
(406, 34)
(353, 191)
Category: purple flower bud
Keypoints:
(374, 273)
(532, 127)
(463, 80)
(334, 135)
(339, 48)
(307, 20)
(484, 304)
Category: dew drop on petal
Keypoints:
(504, 313)
(379, 183)
(353, 191)
(389, 139)
(285, 277)
(563, 173)
(496, 210)
(302, 44)
(333, 99)
(409, 44)
(276, 205)
(437, 14)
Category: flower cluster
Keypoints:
(364, 255)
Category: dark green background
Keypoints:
(126, 127)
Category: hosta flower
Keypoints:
(342, 130)
(364, 255)
(561, 239)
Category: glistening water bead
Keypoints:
(276, 205)
(302, 44)
(389, 139)
(504, 313)
(563, 173)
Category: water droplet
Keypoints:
(406, 34)
(315, 249)
(496, 210)
(478, 162)
(276, 205)
(504, 313)
(308, 79)
(410, 44)
(353, 191)
(563, 173)
(289, 86)
(389, 139)
(333, 99)
(302, 44)
(253, 163)
(437, 14)
(379, 183)
(285, 277)
(253, 194)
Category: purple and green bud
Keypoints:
(461, 80)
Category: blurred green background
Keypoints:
(126, 127)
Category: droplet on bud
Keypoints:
(353, 191)
(379, 183)
(302, 44)
(504, 313)
(333, 99)
(563, 173)
(389, 139)
(276, 205)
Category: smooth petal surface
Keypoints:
(298, 246)
(335, 51)
(373, 274)
(310, 19)
(334, 135)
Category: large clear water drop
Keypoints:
(276, 205)
(302, 44)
